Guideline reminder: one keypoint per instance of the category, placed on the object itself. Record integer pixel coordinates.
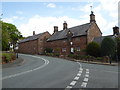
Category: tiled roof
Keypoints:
(99, 39)
(30, 38)
(77, 31)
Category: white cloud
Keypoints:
(106, 13)
(51, 5)
(41, 24)
(12, 19)
(19, 12)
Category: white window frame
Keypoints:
(63, 49)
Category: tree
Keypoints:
(93, 49)
(10, 34)
(108, 47)
(118, 47)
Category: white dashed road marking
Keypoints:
(84, 84)
(87, 72)
(86, 75)
(81, 69)
(78, 74)
(73, 83)
(85, 80)
(68, 87)
(76, 78)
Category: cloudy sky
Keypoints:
(42, 16)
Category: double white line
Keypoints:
(85, 81)
(18, 74)
(76, 78)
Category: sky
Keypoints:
(43, 16)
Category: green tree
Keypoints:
(93, 49)
(108, 47)
(10, 34)
(118, 47)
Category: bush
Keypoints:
(56, 54)
(7, 57)
(48, 50)
(108, 47)
(52, 54)
(118, 47)
(93, 49)
(99, 58)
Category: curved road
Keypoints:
(48, 72)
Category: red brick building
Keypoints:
(63, 42)
(75, 39)
(34, 44)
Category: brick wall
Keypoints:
(63, 47)
(42, 42)
(93, 32)
(29, 47)
(35, 46)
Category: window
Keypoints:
(77, 49)
(63, 49)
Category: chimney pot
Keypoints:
(33, 32)
(55, 29)
(115, 30)
(92, 17)
(64, 25)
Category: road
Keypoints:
(49, 72)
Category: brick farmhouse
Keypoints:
(34, 44)
(75, 39)
(63, 42)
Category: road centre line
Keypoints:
(86, 75)
(87, 72)
(18, 74)
(69, 87)
(73, 83)
(79, 74)
(84, 84)
(85, 80)
(81, 69)
(76, 78)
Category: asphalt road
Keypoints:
(48, 72)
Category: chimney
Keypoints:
(92, 17)
(115, 30)
(55, 29)
(64, 25)
(33, 32)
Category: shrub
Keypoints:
(118, 47)
(108, 47)
(7, 57)
(93, 49)
(48, 50)
(56, 54)
(99, 58)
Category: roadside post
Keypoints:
(16, 49)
